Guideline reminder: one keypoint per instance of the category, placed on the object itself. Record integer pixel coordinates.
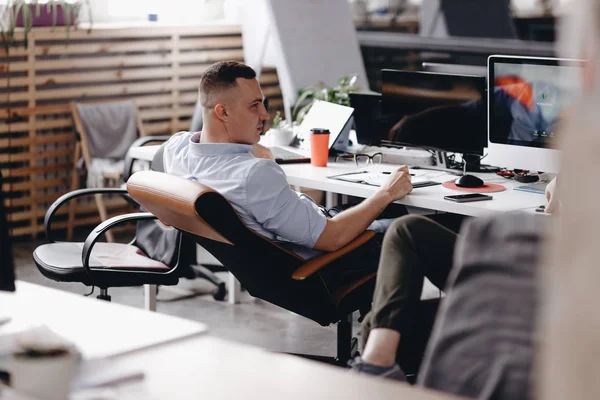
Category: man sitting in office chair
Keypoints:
(226, 157)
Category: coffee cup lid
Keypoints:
(316, 131)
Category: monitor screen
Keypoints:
(529, 97)
(435, 111)
(369, 122)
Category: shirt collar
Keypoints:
(214, 149)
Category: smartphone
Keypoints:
(464, 198)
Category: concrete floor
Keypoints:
(252, 322)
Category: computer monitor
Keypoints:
(435, 111)
(369, 122)
(528, 98)
(467, 18)
(7, 273)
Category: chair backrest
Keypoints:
(263, 267)
(107, 129)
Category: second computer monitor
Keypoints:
(529, 98)
(435, 111)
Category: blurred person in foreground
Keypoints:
(569, 321)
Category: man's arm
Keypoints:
(347, 225)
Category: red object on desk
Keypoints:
(486, 188)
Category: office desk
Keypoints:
(179, 362)
(98, 328)
(207, 367)
(431, 197)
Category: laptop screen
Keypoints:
(326, 115)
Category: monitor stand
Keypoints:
(441, 162)
(444, 163)
(474, 164)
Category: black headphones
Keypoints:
(526, 178)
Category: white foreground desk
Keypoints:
(98, 328)
(211, 368)
(179, 362)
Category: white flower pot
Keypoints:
(281, 136)
(44, 378)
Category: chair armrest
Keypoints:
(101, 229)
(128, 162)
(73, 195)
(316, 263)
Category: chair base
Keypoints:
(104, 295)
(347, 346)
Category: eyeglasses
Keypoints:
(361, 160)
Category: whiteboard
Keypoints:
(308, 41)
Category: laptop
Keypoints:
(322, 114)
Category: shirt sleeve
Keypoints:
(279, 209)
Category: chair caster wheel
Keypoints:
(220, 292)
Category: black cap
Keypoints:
(318, 131)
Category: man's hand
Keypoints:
(398, 184)
(551, 198)
(260, 151)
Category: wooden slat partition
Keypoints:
(158, 68)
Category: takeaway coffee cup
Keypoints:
(319, 147)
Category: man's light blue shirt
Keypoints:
(257, 188)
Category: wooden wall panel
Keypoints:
(158, 68)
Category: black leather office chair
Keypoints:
(265, 269)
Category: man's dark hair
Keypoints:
(222, 76)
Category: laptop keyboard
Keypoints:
(283, 154)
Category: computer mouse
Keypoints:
(469, 181)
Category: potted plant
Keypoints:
(281, 131)
(338, 94)
(27, 14)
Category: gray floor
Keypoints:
(252, 322)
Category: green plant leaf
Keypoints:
(302, 112)
(304, 95)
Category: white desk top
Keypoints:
(431, 197)
(187, 365)
(97, 328)
(207, 367)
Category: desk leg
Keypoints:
(150, 297)
(328, 200)
(234, 289)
